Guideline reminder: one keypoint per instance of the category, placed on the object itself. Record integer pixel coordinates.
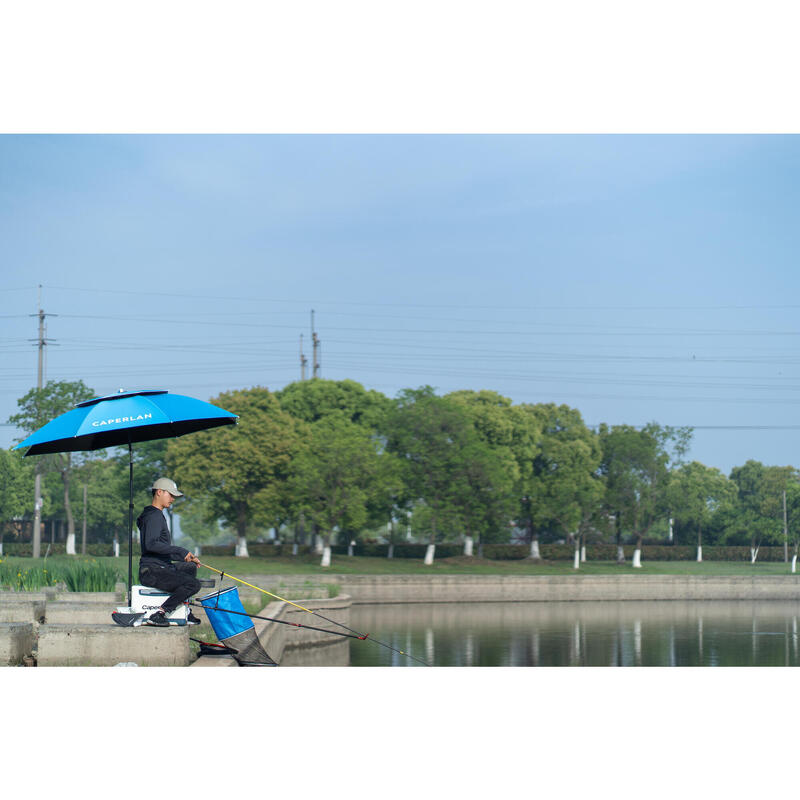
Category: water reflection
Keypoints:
(647, 633)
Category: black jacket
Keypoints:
(157, 547)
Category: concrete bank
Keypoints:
(367, 589)
(106, 645)
(55, 628)
(284, 643)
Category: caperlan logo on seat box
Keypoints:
(120, 420)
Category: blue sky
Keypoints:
(636, 278)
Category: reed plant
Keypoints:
(88, 576)
(75, 576)
(19, 578)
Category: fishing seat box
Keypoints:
(146, 599)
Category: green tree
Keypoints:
(16, 493)
(441, 456)
(314, 399)
(526, 447)
(760, 495)
(636, 468)
(560, 488)
(38, 407)
(494, 473)
(335, 477)
(695, 494)
(241, 470)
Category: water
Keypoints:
(633, 633)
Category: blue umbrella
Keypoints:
(122, 419)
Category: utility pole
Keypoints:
(316, 343)
(37, 483)
(303, 360)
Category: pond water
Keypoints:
(633, 633)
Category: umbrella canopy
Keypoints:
(125, 418)
(122, 419)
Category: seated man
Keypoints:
(156, 569)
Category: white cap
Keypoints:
(168, 485)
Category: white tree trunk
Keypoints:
(326, 556)
(318, 545)
(620, 555)
(583, 553)
(429, 553)
(467, 545)
(699, 553)
(753, 554)
(794, 559)
(71, 544)
(637, 558)
(241, 547)
(198, 550)
(1, 549)
(535, 549)
(577, 561)
(350, 549)
(294, 548)
(116, 548)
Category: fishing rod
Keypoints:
(272, 619)
(316, 613)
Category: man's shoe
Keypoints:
(159, 619)
(191, 619)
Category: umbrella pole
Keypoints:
(130, 520)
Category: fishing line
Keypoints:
(279, 621)
(316, 613)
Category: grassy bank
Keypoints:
(359, 565)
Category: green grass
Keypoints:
(360, 565)
(357, 565)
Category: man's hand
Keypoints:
(192, 557)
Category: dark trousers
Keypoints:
(178, 579)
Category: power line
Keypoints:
(307, 302)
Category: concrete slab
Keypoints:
(80, 613)
(107, 645)
(109, 598)
(21, 610)
(16, 642)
